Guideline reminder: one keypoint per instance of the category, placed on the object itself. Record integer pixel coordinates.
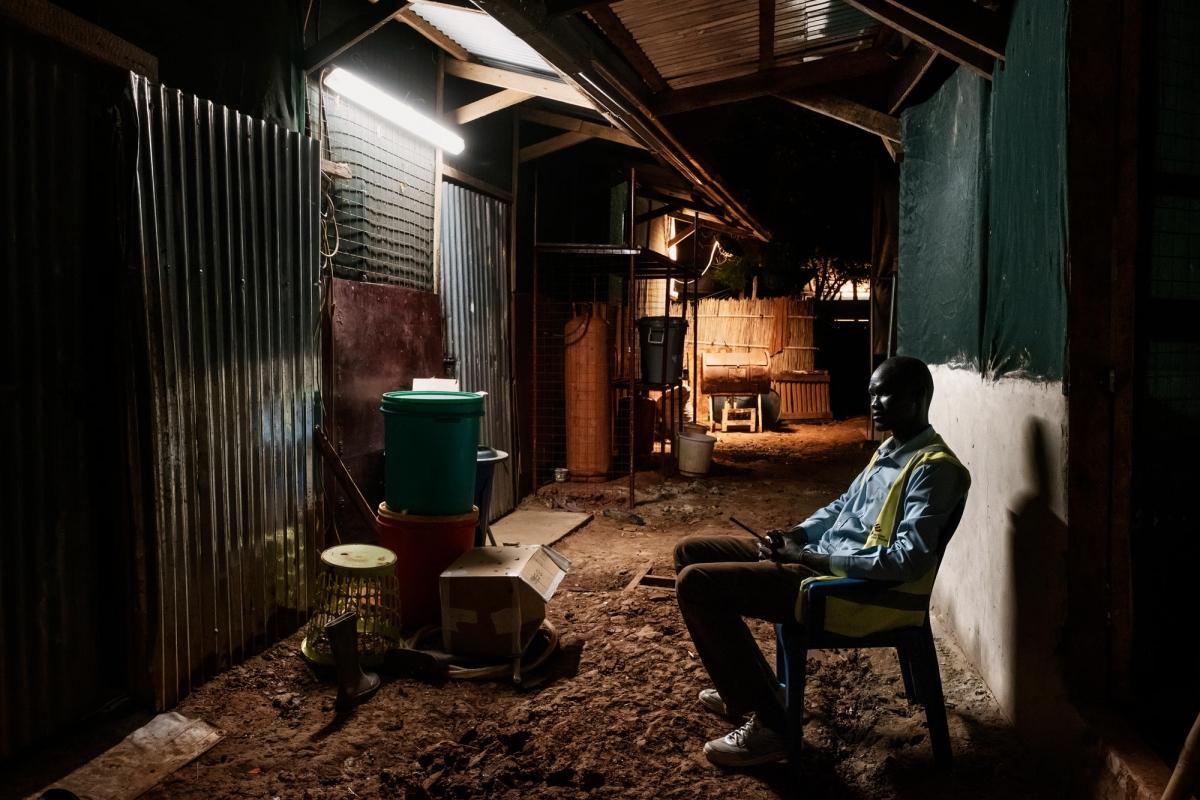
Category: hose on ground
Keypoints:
(503, 669)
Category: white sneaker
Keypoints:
(747, 746)
(711, 699)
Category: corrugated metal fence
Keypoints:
(475, 296)
(228, 211)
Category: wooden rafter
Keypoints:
(680, 236)
(687, 202)
(849, 112)
(620, 38)
(487, 105)
(95, 42)
(552, 145)
(371, 19)
(766, 34)
(471, 182)
(710, 221)
(894, 149)
(949, 45)
(661, 211)
(779, 80)
(567, 123)
(619, 93)
(549, 88)
(912, 68)
(968, 22)
(433, 34)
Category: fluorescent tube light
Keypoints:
(356, 90)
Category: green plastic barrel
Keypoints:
(429, 443)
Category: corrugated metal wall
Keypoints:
(64, 505)
(228, 221)
(475, 303)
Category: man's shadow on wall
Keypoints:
(1037, 536)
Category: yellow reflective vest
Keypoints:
(889, 606)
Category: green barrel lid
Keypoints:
(360, 560)
(467, 404)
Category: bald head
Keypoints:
(900, 391)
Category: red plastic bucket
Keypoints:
(424, 547)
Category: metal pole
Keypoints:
(695, 316)
(633, 368)
(534, 338)
(668, 406)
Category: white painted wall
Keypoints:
(1002, 587)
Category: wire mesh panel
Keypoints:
(1168, 415)
(1175, 247)
(570, 286)
(384, 211)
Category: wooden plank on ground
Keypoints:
(533, 526)
(141, 759)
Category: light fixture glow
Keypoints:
(356, 90)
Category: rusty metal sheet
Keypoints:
(383, 337)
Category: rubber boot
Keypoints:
(355, 687)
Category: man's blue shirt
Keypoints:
(840, 530)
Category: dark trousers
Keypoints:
(720, 582)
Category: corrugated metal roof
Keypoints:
(692, 42)
(482, 36)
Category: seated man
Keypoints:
(722, 579)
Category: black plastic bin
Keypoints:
(661, 341)
(486, 459)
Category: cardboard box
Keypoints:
(494, 598)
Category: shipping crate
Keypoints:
(494, 598)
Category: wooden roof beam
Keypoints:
(971, 23)
(849, 112)
(567, 123)
(711, 222)
(894, 149)
(548, 88)
(552, 145)
(487, 105)
(912, 68)
(839, 67)
(433, 34)
(371, 19)
(679, 237)
(620, 38)
(932, 36)
(661, 211)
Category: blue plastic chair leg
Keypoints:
(929, 688)
(910, 689)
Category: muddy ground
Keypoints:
(614, 712)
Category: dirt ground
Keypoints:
(614, 712)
